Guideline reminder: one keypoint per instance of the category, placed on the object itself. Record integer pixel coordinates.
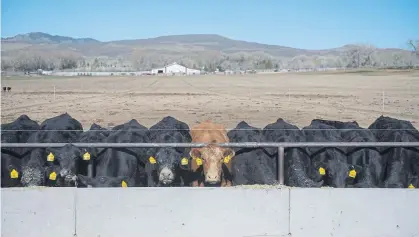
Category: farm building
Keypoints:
(175, 68)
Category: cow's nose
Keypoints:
(64, 173)
(166, 173)
(214, 177)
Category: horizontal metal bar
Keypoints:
(238, 145)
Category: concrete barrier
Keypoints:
(232, 212)
(354, 212)
(37, 212)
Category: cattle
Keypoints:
(10, 171)
(251, 165)
(9, 89)
(52, 176)
(211, 164)
(366, 163)
(106, 181)
(18, 131)
(59, 129)
(169, 166)
(330, 163)
(298, 166)
(122, 162)
(4, 89)
(96, 134)
(402, 163)
(70, 162)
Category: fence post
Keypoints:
(281, 165)
(90, 169)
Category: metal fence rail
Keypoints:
(280, 145)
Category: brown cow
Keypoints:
(215, 160)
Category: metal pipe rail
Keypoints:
(280, 145)
(238, 145)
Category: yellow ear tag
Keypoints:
(184, 161)
(322, 171)
(227, 159)
(352, 173)
(124, 184)
(50, 157)
(198, 161)
(86, 156)
(14, 174)
(53, 176)
(152, 160)
(411, 186)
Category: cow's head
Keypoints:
(334, 173)
(68, 158)
(12, 174)
(52, 176)
(33, 170)
(212, 159)
(105, 181)
(168, 162)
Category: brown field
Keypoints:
(257, 99)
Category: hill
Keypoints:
(194, 50)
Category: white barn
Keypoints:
(176, 69)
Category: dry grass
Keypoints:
(257, 99)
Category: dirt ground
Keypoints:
(258, 99)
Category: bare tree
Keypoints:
(414, 45)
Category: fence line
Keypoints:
(228, 129)
(280, 145)
(231, 144)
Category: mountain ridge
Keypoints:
(192, 50)
(42, 37)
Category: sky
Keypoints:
(308, 24)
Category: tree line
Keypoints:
(358, 57)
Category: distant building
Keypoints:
(175, 68)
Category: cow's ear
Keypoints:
(123, 181)
(195, 153)
(228, 152)
(50, 153)
(321, 168)
(354, 170)
(85, 180)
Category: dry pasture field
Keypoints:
(258, 99)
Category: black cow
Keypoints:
(96, 134)
(298, 167)
(402, 163)
(17, 131)
(168, 166)
(70, 162)
(251, 165)
(170, 124)
(10, 171)
(52, 176)
(128, 163)
(366, 163)
(59, 129)
(330, 163)
(106, 181)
